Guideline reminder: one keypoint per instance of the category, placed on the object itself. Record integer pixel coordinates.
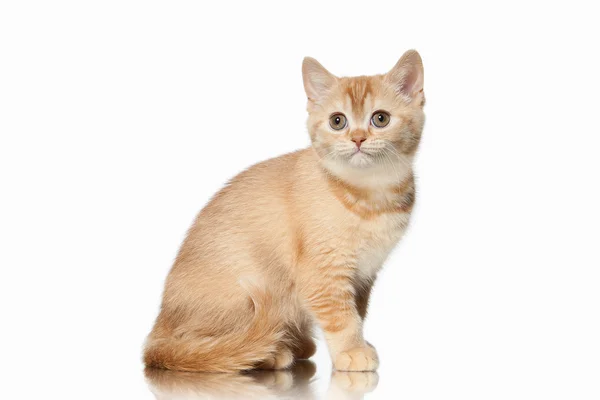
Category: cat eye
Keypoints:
(380, 119)
(337, 121)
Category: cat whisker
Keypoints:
(392, 164)
(390, 146)
(334, 152)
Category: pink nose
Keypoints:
(359, 141)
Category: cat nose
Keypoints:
(359, 140)
(358, 136)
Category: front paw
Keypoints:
(357, 359)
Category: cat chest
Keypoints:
(347, 240)
(376, 239)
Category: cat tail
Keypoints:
(239, 350)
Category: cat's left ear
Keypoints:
(407, 77)
(317, 80)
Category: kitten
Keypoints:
(300, 238)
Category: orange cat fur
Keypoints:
(299, 239)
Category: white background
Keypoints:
(119, 119)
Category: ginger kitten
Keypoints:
(299, 239)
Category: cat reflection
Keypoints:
(294, 383)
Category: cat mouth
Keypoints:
(360, 153)
(360, 158)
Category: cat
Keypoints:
(299, 239)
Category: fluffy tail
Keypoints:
(235, 351)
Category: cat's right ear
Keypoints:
(407, 77)
(317, 80)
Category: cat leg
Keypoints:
(285, 354)
(301, 339)
(305, 348)
(331, 297)
(362, 294)
(299, 345)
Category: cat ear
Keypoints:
(407, 77)
(317, 80)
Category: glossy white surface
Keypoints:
(119, 120)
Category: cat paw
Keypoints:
(281, 360)
(357, 359)
(305, 349)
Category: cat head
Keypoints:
(365, 122)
